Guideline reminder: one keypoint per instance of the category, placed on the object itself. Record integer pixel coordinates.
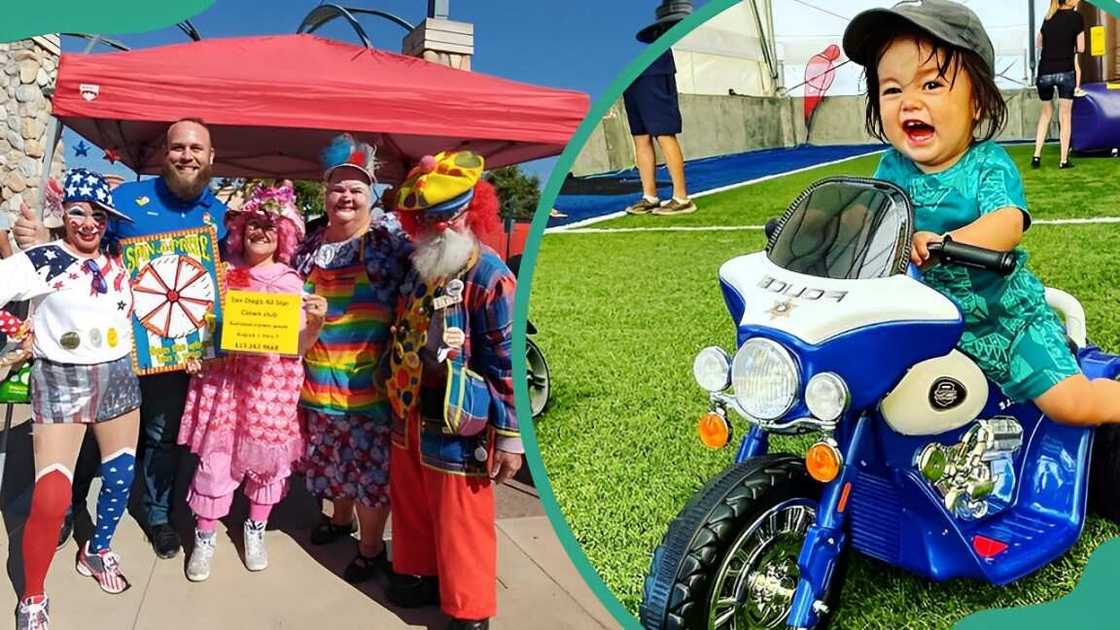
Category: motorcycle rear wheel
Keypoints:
(729, 559)
(1104, 473)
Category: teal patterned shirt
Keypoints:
(996, 308)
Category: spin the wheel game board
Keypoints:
(177, 297)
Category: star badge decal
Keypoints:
(781, 309)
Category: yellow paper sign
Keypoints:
(1096, 41)
(261, 322)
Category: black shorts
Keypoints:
(651, 106)
(1064, 81)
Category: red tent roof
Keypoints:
(274, 102)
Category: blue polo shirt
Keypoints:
(153, 209)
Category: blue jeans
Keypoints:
(1063, 81)
(162, 398)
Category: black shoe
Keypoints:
(1036, 162)
(413, 591)
(66, 530)
(362, 568)
(1066, 164)
(165, 540)
(327, 532)
(464, 624)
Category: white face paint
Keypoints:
(440, 254)
(85, 225)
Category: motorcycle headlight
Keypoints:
(765, 379)
(826, 395)
(712, 369)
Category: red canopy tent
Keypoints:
(272, 103)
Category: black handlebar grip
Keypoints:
(954, 253)
(771, 227)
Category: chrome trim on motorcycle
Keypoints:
(721, 401)
(756, 580)
(963, 473)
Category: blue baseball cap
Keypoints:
(83, 184)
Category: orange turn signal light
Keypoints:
(714, 429)
(823, 461)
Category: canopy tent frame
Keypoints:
(324, 13)
(271, 121)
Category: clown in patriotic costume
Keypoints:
(81, 305)
(455, 430)
(241, 414)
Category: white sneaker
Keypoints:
(33, 615)
(198, 567)
(256, 556)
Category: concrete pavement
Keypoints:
(302, 589)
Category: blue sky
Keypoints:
(576, 44)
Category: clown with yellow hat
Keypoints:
(455, 431)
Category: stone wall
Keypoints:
(28, 68)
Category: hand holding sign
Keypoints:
(262, 322)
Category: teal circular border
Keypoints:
(26, 19)
(1077, 607)
(524, 287)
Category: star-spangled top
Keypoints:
(69, 302)
(50, 261)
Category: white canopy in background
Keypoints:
(726, 53)
(804, 28)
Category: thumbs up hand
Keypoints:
(28, 229)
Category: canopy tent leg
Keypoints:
(54, 133)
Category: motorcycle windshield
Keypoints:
(845, 229)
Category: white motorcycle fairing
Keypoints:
(815, 309)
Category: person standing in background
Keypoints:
(652, 111)
(1061, 38)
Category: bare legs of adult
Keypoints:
(1045, 114)
(371, 524)
(674, 162)
(1065, 117)
(646, 160)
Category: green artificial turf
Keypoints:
(622, 315)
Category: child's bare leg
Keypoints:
(1080, 401)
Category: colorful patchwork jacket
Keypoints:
(437, 330)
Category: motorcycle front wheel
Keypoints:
(729, 559)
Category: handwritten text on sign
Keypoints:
(261, 322)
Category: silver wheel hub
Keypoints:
(755, 582)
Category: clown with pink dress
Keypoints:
(241, 411)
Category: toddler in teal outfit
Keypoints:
(931, 94)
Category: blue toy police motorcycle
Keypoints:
(921, 461)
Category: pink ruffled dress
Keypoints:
(241, 414)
